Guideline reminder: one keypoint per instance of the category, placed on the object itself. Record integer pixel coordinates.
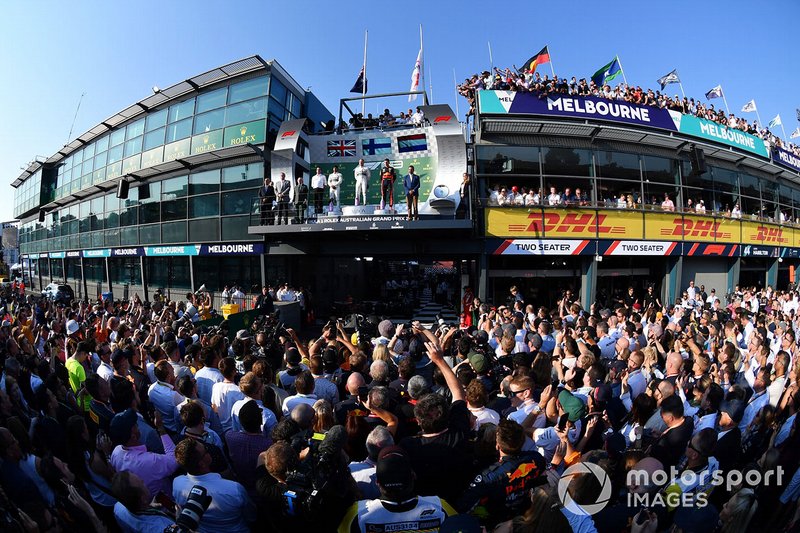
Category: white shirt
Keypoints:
(484, 415)
(361, 173)
(165, 398)
(334, 180)
(364, 475)
(268, 420)
(223, 396)
(206, 377)
(318, 181)
(775, 390)
(296, 399)
(105, 371)
(230, 509)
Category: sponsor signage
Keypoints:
(73, 254)
(711, 249)
(153, 157)
(249, 133)
(756, 233)
(545, 247)
(510, 102)
(232, 249)
(792, 253)
(105, 252)
(751, 250)
(33, 256)
(509, 222)
(690, 228)
(706, 129)
(177, 150)
(172, 251)
(656, 248)
(206, 142)
(57, 255)
(786, 159)
(127, 252)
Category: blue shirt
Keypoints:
(140, 523)
(206, 377)
(165, 398)
(230, 510)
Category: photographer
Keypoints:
(230, 510)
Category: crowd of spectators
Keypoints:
(544, 85)
(412, 117)
(113, 415)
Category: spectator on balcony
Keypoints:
(667, 204)
(621, 202)
(554, 198)
(700, 207)
(569, 198)
(532, 198)
(519, 196)
(630, 202)
(580, 197)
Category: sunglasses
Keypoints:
(512, 393)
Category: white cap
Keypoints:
(72, 327)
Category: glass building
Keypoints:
(193, 156)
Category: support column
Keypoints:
(482, 290)
(145, 296)
(191, 272)
(83, 279)
(734, 270)
(772, 272)
(108, 277)
(39, 269)
(672, 280)
(588, 281)
(263, 261)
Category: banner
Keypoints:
(758, 233)
(545, 247)
(232, 249)
(786, 159)
(691, 228)
(250, 133)
(57, 255)
(172, 251)
(791, 253)
(639, 248)
(97, 253)
(759, 251)
(505, 102)
(569, 223)
(709, 249)
(127, 252)
(706, 129)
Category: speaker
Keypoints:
(41, 215)
(144, 192)
(698, 160)
(122, 189)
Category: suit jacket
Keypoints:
(282, 189)
(411, 184)
(728, 450)
(301, 194)
(267, 193)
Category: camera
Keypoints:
(196, 504)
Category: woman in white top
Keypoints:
(477, 399)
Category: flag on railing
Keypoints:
(360, 86)
(795, 134)
(749, 107)
(607, 72)
(716, 92)
(672, 77)
(415, 76)
(775, 122)
(539, 59)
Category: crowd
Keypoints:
(543, 86)
(129, 416)
(412, 117)
(516, 196)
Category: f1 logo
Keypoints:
(288, 133)
(443, 118)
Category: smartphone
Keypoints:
(362, 393)
(166, 502)
(562, 422)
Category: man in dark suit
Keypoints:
(282, 189)
(728, 450)
(300, 201)
(411, 186)
(267, 195)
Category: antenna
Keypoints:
(69, 137)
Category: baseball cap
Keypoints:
(243, 334)
(602, 393)
(120, 427)
(385, 328)
(573, 406)
(293, 356)
(482, 336)
(72, 327)
(734, 409)
(478, 362)
(393, 470)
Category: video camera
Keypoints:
(192, 512)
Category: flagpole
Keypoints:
(727, 110)
(422, 67)
(760, 124)
(455, 90)
(364, 81)
(784, 131)
(430, 82)
(681, 86)
(491, 61)
(622, 70)
(552, 68)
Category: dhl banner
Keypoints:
(566, 223)
(691, 228)
(769, 234)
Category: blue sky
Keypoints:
(114, 52)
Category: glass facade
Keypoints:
(606, 178)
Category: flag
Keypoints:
(716, 92)
(775, 122)
(672, 77)
(360, 86)
(798, 113)
(539, 59)
(376, 146)
(343, 148)
(412, 143)
(795, 134)
(415, 76)
(749, 107)
(607, 73)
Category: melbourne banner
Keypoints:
(518, 103)
(786, 159)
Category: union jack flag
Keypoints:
(342, 148)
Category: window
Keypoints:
(235, 228)
(173, 210)
(154, 138)
(213, 120)
(212, 100)
(204, 182)
(88, 152)
(134, 146)
(659, 169)
(508, 160)
(134, 130)
(246, 112)
(115, 154)
(174, 231)
(246, 90)
(619, 165)
(768, 199)
(181, 111)
(242, 177)
(567, 162)
(204, 206)
(174, 187)
(150, 234)
(100, 160)
(725, 187)
(750, 195)
(179, 130)
(118, 137)
(156, 120)
(237, 203)
(297, 107)
(101, 145)
(277, 91)
(128, 236)
(87, 167)
(206, 230)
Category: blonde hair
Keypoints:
(381, 353)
